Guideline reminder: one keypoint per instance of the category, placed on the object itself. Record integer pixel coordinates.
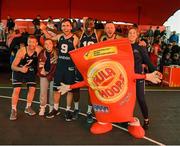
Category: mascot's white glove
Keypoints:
(63, 88)
(154, 77)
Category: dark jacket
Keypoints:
(42, 58)
(141, 57)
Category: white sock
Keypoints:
(42, 106)
(89, 109)
(51, 107)
(28, 105)
(76, 105)
(56, 106)
(14, 107)
(68, 108)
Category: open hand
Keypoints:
(154, 77)
(63, 88)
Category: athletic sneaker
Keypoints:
(41, 111)
(89, 118)
(68, 116)
(146, 125)
(29, 111)
(13, 115)
(75, 114)
(52, 114)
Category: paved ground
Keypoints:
(164, 129)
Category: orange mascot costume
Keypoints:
(108, 71)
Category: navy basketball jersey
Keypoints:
(33, 59)
(64, 47)
(105, 37)
(87, 40)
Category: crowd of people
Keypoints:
(163, 51)
(46, 54)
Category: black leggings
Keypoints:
(141, 98)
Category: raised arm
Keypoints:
(76, 41)
(43, 28)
